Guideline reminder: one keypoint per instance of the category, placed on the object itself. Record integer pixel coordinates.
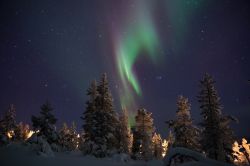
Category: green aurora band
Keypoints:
(140, 36)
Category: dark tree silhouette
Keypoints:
(45, 123)
(217, 136)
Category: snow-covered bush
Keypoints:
(40, 146)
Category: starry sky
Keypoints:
(152, 51)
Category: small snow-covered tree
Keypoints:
(157, 146)
(68, 137)
(186, 134)
(74, 137)
(8, 124)
(22, 132)
(170, 138)
(217, 136)
(45, 123)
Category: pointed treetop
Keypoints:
(104, 79)
(183, 106)
(11, 111)
(46, 106)
(207, 78)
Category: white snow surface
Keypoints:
(23, 155)
(26, 155)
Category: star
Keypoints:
(158, 77)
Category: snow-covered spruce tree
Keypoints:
(8, 124)
(45, 123)
(89, 118)
(74, 143)
(157, 146)
(125, 134)
(68, 137)
(81, 140)
(63, 136)
(170, 138)
(136, 144)
(101, 122)
(108, 125)
(217, 136)
(143, 135)
(228, 136)
(186, 134)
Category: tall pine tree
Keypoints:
(103, 134)
(217, 136)
(45, 123)
(125, 136)
(143, 135)
(107, 120)
(186, 134)
(89, 118)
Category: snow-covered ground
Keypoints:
(19, 155)
(24, 155)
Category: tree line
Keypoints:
(105, 132)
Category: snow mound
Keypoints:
(189, 158)
(40, 146)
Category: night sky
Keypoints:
(152, 51)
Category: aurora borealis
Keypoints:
(141, 37)
(152, 51)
